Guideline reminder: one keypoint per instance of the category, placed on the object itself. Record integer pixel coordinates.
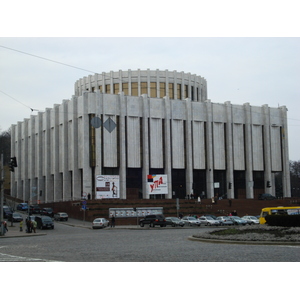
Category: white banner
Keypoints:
(157, 184)
(107, 186)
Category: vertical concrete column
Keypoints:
(285, 154)
(157, 85)
(96, 78)
(248, 150)
(98, 136)
(14, 153)
(86, 169)
(209, 152)
(120, 81)
(188, 148)
(48, 161)
(182, 86)
(56, 147)
(139, 81)
(122, 142)
(65, 154)
(25, 161)
(76, 174)
(32, 155)
(145, 130)
(267, 150)
(39, 162)
(167, 143)
(189, 86)
(19, 161)
(175, 85)
(229, 152)
(129, 83)
(103, 83)
(166, 80)
(111, 80)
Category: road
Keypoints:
(78, 244)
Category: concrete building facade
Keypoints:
(135, 123)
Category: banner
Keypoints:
(107, 186)
(157, 184)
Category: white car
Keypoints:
(251, 219)
(224, 220)
(100, 223)
(191, 221)
(208, 221)
(61, 216)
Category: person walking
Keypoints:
(34, 224)
(21, 225)
(113, 221)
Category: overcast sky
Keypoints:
(255, 70)
(263, 67)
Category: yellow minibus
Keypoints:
(279, 210)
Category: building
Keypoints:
(135, 123)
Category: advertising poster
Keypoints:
(157, 184)
(107, 186)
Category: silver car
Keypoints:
(191, 221)
(251, 220)
(100, 223)
(173, 221)
(224, 220)
(208, 221)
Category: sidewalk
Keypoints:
(14, 231)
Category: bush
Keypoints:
(283, 220)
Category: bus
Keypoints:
(279, 210)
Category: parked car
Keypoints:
(100, 223)
(212, 216)
(208, 221)
(266, 197)
(191, 221)
(34, 209)
(15, 217)
(224, 221)
(44, 222)
(173, 221)
(6, 212)
(47, 211)
(154, 220)
(22, 206)
(238, 221)
(61, 216)
(251, 219)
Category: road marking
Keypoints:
(8, 257)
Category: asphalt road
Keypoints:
(78, 244)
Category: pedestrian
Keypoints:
(31, 226)
(113, 221)
(34, 224)
(5, 226)
(21, 225)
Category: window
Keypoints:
(116, 88)
(134, 89)
(144, 88)
(153, 93)
(162, 89)
(171, 90)
(178, 91)
(125, 88)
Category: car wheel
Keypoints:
(152, 225)
(181, 225)
(142, 224)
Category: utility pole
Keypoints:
(2, 197)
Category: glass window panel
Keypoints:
(171, 90)
(153, 93)
(178, 91)
(185, 91)
(116, 88)
(107, 89)
(125, 88)
(162, 89)
(144, 88)
(134, 89)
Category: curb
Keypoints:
(192, 238)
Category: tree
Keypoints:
(295, 178)
(5, 139)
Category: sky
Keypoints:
(38, 72)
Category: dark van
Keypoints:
(44, 222)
